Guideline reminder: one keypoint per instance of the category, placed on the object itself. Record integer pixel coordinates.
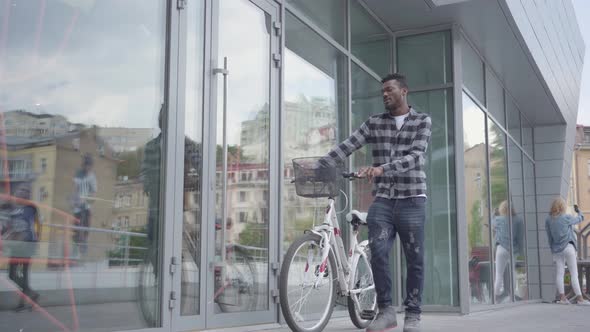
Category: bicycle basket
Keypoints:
(314, 177)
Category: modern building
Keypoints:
(249, 85)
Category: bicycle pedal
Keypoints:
(368, 314)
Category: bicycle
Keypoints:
(316, 264)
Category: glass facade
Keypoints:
(441, 228)
(242, 154)
(314, 109)
(477, 202)
(504, 268)
(328, 15)
(432, 51)
(473, 73)
(513, 120)
(495, 98)
(157, 172)
(193, 166)
(370, 42)
(517, 216)
(83, 114)
(426, 59)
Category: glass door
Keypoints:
(226, 249)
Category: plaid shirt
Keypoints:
(399, 152)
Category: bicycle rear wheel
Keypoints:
(236, 285)
(363, 291)
(307, 287)
(148, 295)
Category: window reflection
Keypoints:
(314, 79)
(501, 213)
(476, 201)
(515, 167)
(81, 89)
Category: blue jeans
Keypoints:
(406, 217)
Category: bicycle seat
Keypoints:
(356, 216)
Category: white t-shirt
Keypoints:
(399, 120)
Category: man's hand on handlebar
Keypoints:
(370, 172)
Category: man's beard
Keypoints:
(394, 105)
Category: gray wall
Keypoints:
(551, 34)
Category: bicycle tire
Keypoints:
(284, 280)
(353, 311)
(250, 287)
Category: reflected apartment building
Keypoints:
(192, 112)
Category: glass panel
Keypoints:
(193, 151)
(314, 93)
(314, 114)
(426, 59)
(366, 101)
(500, 212)
(518, 223)
(476, 201)
(328, 15)
(243, 132)
(527, 136)
(82, 91)
(473, 74)
(441, 279)
(530, 207)
(513, 118)
(370, 42)
(495, 98)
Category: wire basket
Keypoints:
(315, 177)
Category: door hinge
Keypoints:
(274, 266)
(275, 295)
(173, 265)
(172, 300)
(277, 26)
(277, 59)
(181, 4)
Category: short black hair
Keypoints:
(400, 78)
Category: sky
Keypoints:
(582, 8)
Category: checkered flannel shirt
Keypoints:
(399, 152)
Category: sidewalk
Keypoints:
(521, 318)
(124, 316)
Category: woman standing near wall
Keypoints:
(562, 240)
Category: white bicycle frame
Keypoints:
(345, 263)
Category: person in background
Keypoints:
(20, 232)
(84, 190)
(502, 235)
(562, 240)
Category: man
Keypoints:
(399, 138)
(84, 190)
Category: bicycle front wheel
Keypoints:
(362, 293)
(307, 287)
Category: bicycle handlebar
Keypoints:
(351, 176)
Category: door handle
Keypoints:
(225, 72)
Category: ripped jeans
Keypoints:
(406, 217)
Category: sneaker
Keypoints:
(566, 302)
(583, 302)
(412, 322)
(385, 321)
